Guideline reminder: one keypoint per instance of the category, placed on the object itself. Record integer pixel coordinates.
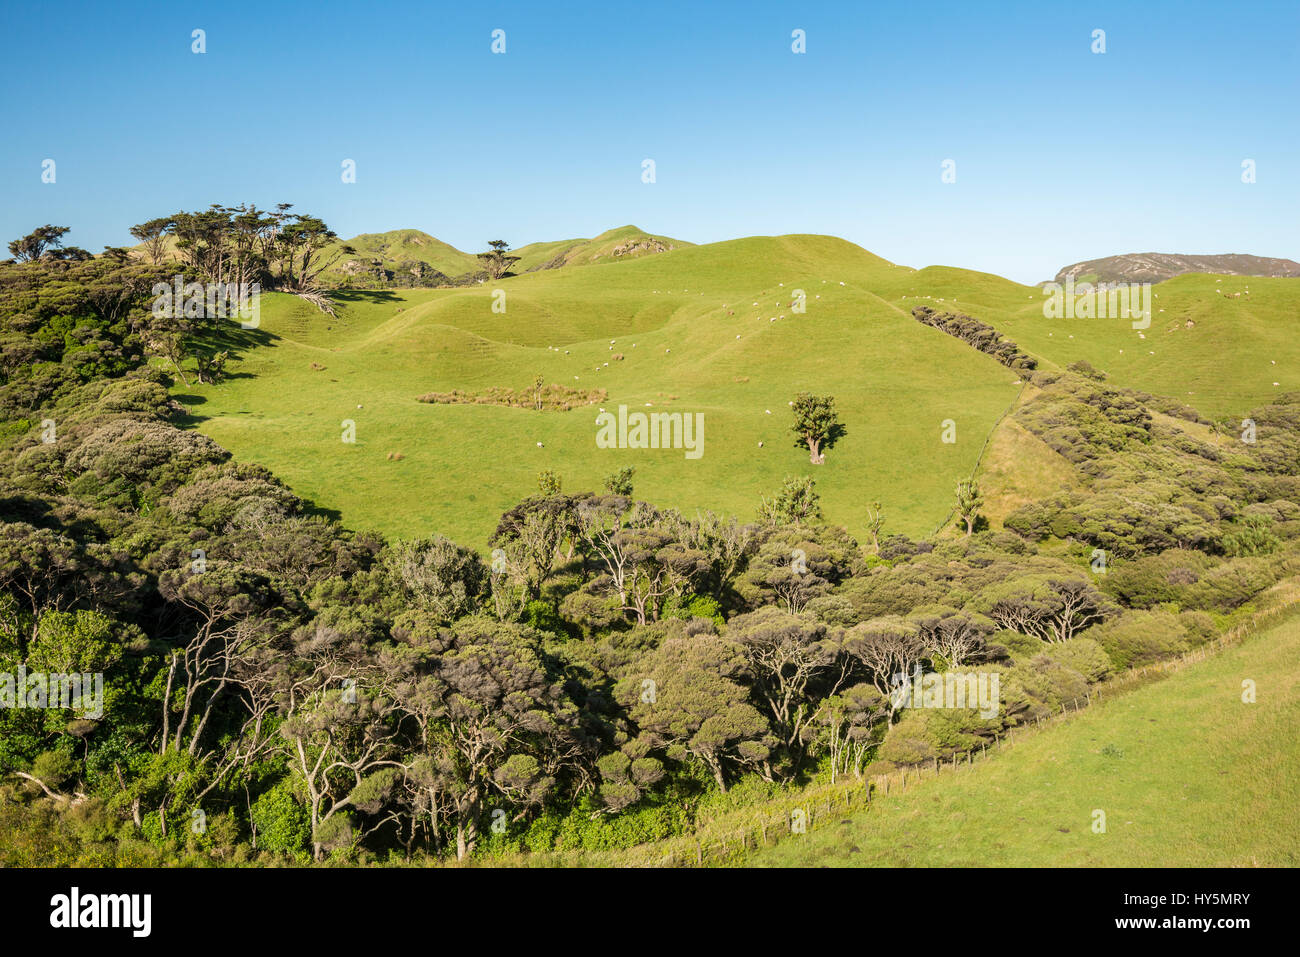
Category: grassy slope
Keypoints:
(585, 252)
(895, 381)
(399, 245)
(1187, 774)
(1224, 364)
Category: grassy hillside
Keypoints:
(703, 329)
(625, 242)
(402, 245)
(1226, 801)
(1219, 353)
(411, 245)
(706, 329)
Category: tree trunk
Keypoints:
(466, 837)
(815, 456)
(467, 828)
(716, 767)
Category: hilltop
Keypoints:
(1157, 267)
(409, 257)
(625, 242)
(403, 256)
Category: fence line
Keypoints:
(801, 817)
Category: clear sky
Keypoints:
(1061, 154)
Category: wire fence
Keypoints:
(728, 844)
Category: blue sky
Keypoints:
(1061, 154)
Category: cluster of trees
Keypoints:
(278, 685)
(46, 242)
(978, 335)
(278, 249)
(1155, 486)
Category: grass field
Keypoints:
(1187, 774)
(692, 340)
(705, 329)
(1218, 353)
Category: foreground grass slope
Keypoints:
(702, 329)
(1187, 774)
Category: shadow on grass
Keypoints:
(228, 337)
(369, 296)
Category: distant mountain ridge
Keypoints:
(1157, 267)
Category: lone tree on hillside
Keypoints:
(875, 522)
(495, 260)
(36, 243)
(969, 500)
(816, 424)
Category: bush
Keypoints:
(1156, 579)
(1051, 684)
(1231, 585)
(1084, 655)
(1019, 647)
(282, 824)
(924, 734)
(1199, 627)
(690, 607)
(1141, 637)
(542, 615)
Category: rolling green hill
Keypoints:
(707, 329)
(1220, 353)
(702, 329)
(625, 242)
(399, 250)
(396, 247)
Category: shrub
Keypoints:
(1199, 626)
(1155, 579)
(924, 734)
(1084, 655)
(1141, 637)
(1231, 584)
(282, 824)
(1018, 646)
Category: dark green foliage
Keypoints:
(600, 673)
(978, 335)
